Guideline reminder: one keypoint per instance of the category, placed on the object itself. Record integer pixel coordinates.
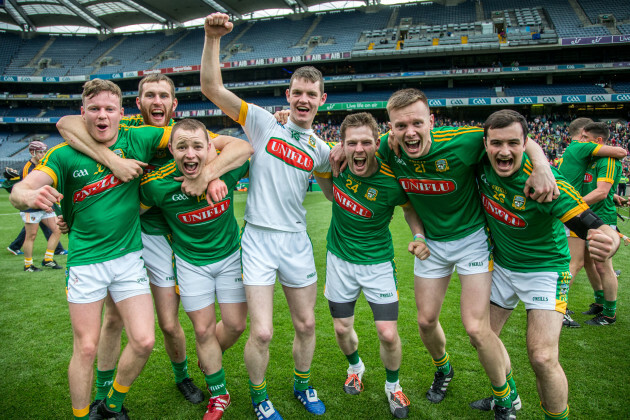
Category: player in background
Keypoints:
(530, 251)
(600, 184)
(33, 217)
(575, 160)
(105, 244)
(436, 169)
(274, 240)
(361, 254)
(206, 247)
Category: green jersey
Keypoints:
(528, 236)
(362, 210)
(608, 170)
(575, 159)
(202, 234)
(101, 211)
(441, 184)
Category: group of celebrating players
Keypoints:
(483, 201)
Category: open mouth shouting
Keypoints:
(157, 117)
(504, 164)
(190, 168)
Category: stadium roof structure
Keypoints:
(105, 16)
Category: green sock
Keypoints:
(258, 392)
(443, 364)
(501, 395)
(353, 358)
(512, 384)
(216, 383)
(610, 308)
(300, 379)
(599, 297)
(392, 375)
(116, 396)
(555, 416)
(180, 369)
(104, 381)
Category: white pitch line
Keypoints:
(10, 214)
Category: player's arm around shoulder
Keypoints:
(418, 247)
(541, 184)
(216, 26)
(611, 151)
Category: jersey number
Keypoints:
(352, 186)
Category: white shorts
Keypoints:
(158, 258)
(470, 255)
(539, 290)
(36, 216)
(123, 277)
(197, 285)
(269, 252)
(344, 281)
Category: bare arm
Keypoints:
(612, 151)
(216, 26)
(417, 247)
(541, 181)
(326, 185)
(602, 242)
(35, 192)
(598, 194)
(72, 128)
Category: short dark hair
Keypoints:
(599, 129)
(361, 119)
(156, 78)
(576, 126)
(188, 124)
(405, 97)
(309, 73)
(95, 86)
(504, 118)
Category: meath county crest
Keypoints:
(518, 202)
(441, 165)
(311, 142)
(119, 153)
(371, 194)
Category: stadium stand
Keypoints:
(593, 9)
(555, 89)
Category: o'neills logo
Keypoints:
(110, 181)
(427, 186)
(588, 177)
(350, 205)
(205, 214)
(290, 154)
(501, 214)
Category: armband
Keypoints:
(583, 222)
(419, 237)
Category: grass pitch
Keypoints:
(36, 345)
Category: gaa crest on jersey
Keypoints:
(119, 153)
(518, 202)
(441, 165)
(311, 142)
(371, 194)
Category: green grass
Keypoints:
(36, 345)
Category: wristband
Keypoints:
(419, 237)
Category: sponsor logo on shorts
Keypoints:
(313, 274)
(290, 154)
(238, 279)
(345, 202)
(386, 295)
(142, 280)
(476, 264)
(109, 182)
(501, 214)
(205, 214)
(170, 278)
(588, 177)
(540, 299)
(427, 186)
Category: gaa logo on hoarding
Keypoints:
(573, 99)
(623, 97)
(502, 101)
(598, 98)
(435, 102)
(525, 100)
(549, 99)
(457, 102)
(479, 101)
